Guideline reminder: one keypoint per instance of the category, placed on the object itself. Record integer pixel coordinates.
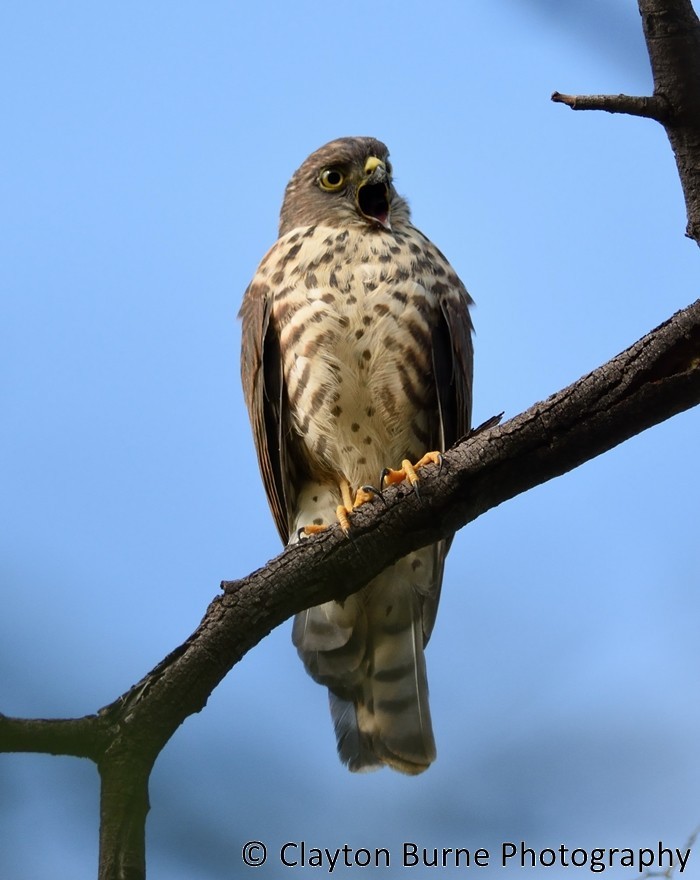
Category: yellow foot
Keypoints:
(311, 530)
(362, 496)
(342, 512)
(407, 470)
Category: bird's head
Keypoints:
(346, 182)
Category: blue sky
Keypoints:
(146, 148)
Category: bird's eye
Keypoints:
(332, 179)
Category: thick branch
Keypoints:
(672, 33)
(653, 380)
(656, 378)
(124, 806)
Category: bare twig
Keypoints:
(653, 107)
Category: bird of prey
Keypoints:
(357, 354)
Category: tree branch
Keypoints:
(651, 108)
(656, 378)
(672, 33)
(80, 737)
(653, 380)
(124, 806)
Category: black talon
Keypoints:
(374, 491)
(382, 477)
(441, 462)
(301, 533)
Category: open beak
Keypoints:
(373, 193)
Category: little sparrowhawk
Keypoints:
(357, 353)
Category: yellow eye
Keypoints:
(332, 179)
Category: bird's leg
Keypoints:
(312, 529)
(342, 510)
(388, 477)
(362, 496)
(407, 471)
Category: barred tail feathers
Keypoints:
(402, 728)
(368, 651)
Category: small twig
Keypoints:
(654, 107)
(671, 870)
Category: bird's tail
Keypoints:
(368, 651)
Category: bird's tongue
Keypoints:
(374, 202)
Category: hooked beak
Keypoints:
(373, 193)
